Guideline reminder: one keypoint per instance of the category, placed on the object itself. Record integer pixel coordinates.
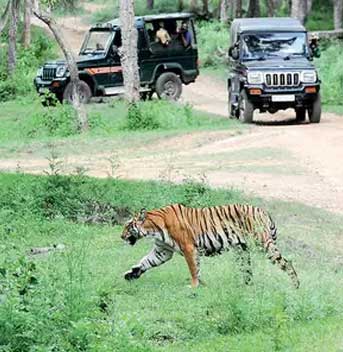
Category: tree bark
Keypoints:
(205, 7)
(128, 52)
(254, 8)
(271, 8)
(180, 5)
(4, 16)
(27, 23)
(224, 11)
(12, 36)
(298, 10)
(338, 13)
(150, 4)
(193, 5)
(72, 67)
(237, 4)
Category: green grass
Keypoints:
(28, 126)
(77, 299)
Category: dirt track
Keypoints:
(275, 158)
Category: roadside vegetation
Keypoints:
(75, 298)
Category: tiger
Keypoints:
(194, 232)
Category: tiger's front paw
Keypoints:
(133, 274)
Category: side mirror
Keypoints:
(234, 52)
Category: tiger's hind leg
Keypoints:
(156, 257)
(276, 258)
(193, 261)
(244, 261)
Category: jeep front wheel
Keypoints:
(84, 89)
(246, 108)
(168, 86)
(315, 111)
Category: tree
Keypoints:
(27, 23)
(12, 36)
(72, 67)
(180, 5)
(271, 8)
(298, 10)
(254, 8)
(237, 5)
(193, 5)
(338, 13)
(205, 10)
(128, 52)
(4, 16)
(224, 11)
(150, 4)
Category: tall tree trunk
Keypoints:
(338, 13)
(128, 53)
(224, 11)
(271, 8)
(4, 16)
(27, 23)
(180, 5)
(254, 8)
(237, 4)
(298, 10)
(12, 36)
(72, 67)
(193, 6)
(205, 7)
(150, 4)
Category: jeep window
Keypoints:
(96, 42)
(260, 46)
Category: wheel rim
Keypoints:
(169, 89)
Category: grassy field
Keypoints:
(77, 300)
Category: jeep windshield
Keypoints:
(284, 45)
(96, 42)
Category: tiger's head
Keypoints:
(133, 230)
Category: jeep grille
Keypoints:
(48, 73)
(282, 79)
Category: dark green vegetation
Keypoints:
(77, 300)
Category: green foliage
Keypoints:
(331, 73)
(213, 39)
(137, 119)
(28, 60)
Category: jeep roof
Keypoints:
(148, 18)
(277, 24)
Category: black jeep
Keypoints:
(271, 69)
(164, 64)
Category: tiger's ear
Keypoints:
(142, 215)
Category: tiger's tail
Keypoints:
(276, 258)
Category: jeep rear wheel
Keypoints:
(84, 89)
(315, 111)
(300, 114)
(168, 86)
(246, 108)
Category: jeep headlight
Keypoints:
(60, 71)
(40, 72)
(308, 76)
(255, 77)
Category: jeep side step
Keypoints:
(121, 90)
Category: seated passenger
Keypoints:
(185, 35)
(162, 36)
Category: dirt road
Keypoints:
(275, 158)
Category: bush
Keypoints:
(138, 119)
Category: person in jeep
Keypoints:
(271, 69)
(163, 68)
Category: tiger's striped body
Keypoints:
(203, 231)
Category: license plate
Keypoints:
(43, 90)
(283, 98)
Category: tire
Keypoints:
(245, 108)
(231, 110)
(168, 86)
(300, 114)
(315, 111)
(85, 93)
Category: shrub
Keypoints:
(138, 119)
